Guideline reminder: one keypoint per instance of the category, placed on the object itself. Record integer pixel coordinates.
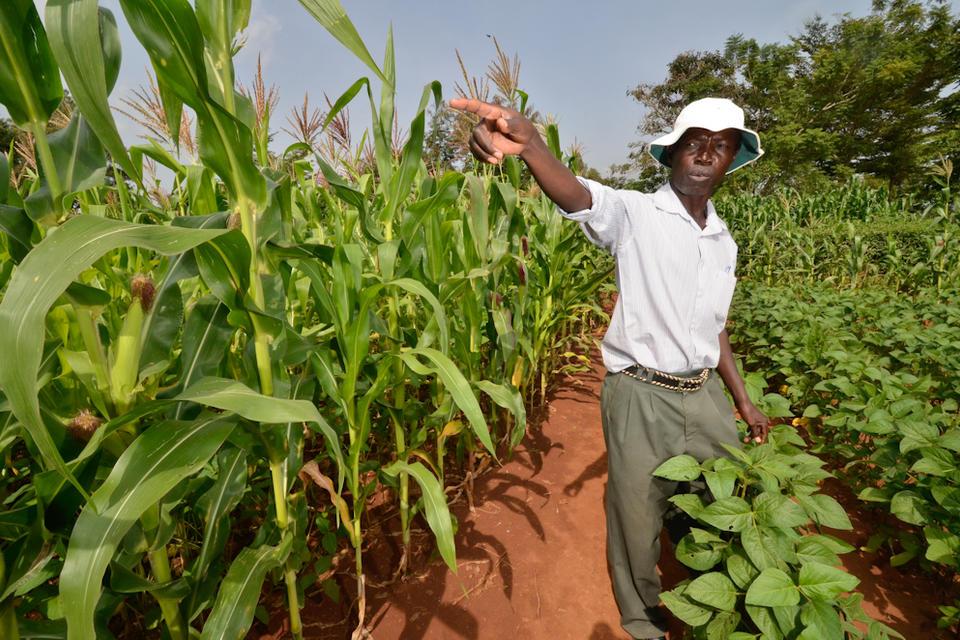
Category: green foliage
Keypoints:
(874, 375)
(30, 86)
(850, 236)
(761, 568)
(179, 364)
(86, 41)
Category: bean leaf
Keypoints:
(772, 588)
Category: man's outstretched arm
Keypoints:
(502, 132)
(727, 367)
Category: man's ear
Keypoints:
(668, 156)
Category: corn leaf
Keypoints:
(168, 30)
(512, 401)
(158, 154)
(446, 193)
(86, 42)
(330, 14)
(206, 338)
(240, 591)
(435, 506)
(417, 288)
(79, 162)
(402, 181)
(30, 86)
(230, 395)
(201, 189)
(163, 456)
(4, 176)
(384, 119)
(455, 383)
(163, 321)
(221, 21)
(172, 107)
(216, 505)
(18, 227)
(553, 141)
(40, 279)
(8, 622)
(225, 267)
(123, 580)
(30, 567)
(170, 33)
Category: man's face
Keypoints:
(700, 159)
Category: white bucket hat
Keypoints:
(713, 114)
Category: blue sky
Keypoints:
(577, 59)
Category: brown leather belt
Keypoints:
(667, 380)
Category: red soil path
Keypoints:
(532, 560)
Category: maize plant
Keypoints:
(856, 235)
(202, 381)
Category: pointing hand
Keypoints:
(501, 132)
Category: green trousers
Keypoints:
(644, 425)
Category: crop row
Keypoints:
(206, 389)
(852, 235)
(874, 376)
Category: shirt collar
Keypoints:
(666, 200)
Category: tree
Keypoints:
(443, 148)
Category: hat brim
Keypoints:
(748, 152)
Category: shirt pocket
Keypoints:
(724, 287)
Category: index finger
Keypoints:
(485, 110)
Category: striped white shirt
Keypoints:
(675, 279)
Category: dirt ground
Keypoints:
(531, 556)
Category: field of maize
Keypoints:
(205, 388)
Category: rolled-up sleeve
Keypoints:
(605, 221)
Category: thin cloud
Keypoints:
(260, 36)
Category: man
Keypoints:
(675, 262)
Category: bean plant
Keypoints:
(764, 567)
(873, 377)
